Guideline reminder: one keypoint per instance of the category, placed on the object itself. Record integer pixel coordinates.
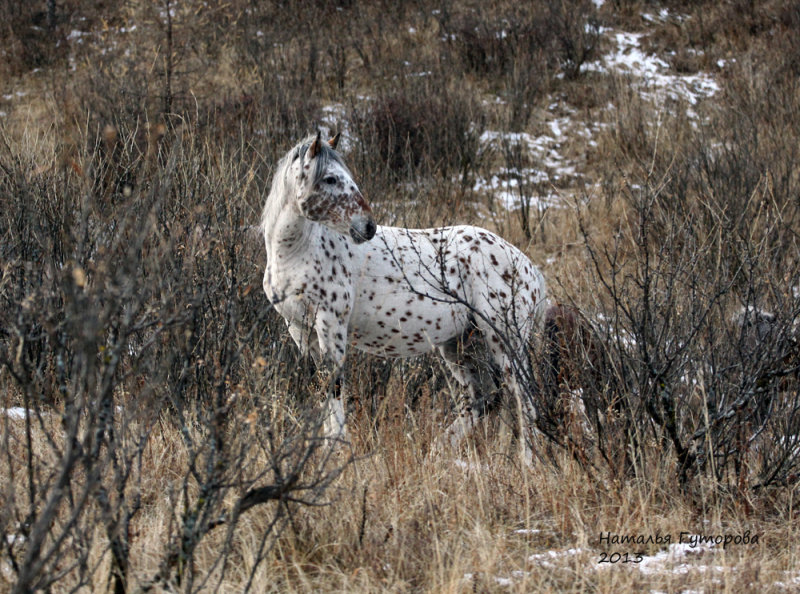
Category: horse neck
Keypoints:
(284, 228)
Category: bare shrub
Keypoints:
(30, 35)
(575, 31)
(496, 40)
(138, 323)
(697, 313)
(423, 128)
(702, 381)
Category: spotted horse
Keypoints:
(340, 280)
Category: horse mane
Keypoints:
(278, 194)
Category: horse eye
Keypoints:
(330, 180)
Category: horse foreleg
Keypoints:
(330, 369)
(335, 421)
(332, 343)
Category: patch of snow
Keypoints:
(527, 531)
(76, 35)
(752, 314)
(673, 560)
(662, 16)
(491, 136)
(628, 58)
(555, 126)
(791, 583)
(512, 188)
(548, 558)
(12, 539)
(543, 149)
(505, 582)
(163, 14)
(15, 412)
(613, 330)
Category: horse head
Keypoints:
(327, 193)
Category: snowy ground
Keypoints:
(677, 560)
(649, 74)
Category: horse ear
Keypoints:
(334, 142)
(315, 147)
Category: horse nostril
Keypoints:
(369, 231)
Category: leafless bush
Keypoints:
(576, 33)
(497, 40)
(526, 189)
(697, 307)
(486, 45)
(701, 382)
(423, 128)
(128, 325)
(31, 35)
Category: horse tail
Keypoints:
(567, 348)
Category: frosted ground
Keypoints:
(647, 73)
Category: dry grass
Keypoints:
(401, 520)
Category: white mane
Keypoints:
(278, 192)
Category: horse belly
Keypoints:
(406, 331)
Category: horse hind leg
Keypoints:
(462, 363)
(508, 352)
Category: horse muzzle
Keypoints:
(362, 228)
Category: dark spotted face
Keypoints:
(334, 199)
